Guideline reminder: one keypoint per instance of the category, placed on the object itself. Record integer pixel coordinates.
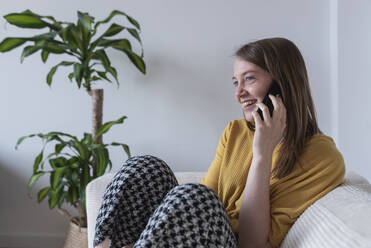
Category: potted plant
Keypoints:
(75, 162)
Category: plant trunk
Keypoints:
(82, 216)
(97, 99)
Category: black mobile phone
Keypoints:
(274, 89)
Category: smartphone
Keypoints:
(275, 90)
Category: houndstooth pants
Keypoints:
(143, 204)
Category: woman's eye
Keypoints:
(235, 83)
(249, 78)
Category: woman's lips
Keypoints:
(249, 107)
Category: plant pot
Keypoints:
(77, 237)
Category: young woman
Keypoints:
(266, 171)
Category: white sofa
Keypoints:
(340, 219)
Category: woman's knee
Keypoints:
(143, 160)
(194, 189)
(148, 167)
(194, 195)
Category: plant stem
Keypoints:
(97, 98)
(82, 216)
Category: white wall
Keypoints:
(177, 111)
(354, 84)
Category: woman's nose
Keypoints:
(239, 89)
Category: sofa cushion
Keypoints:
(342, 218)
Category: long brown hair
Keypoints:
(283, 60)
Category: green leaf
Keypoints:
(109, 43)
(119, 44)
(51, 73)
(51, 136)
(75, 36)
(72, 162)
(64, 33)
(133, 21)
(114, 13)
(56, 25)
(21, 139)
(75, 177)
(85, 20)
(95, 78)
(61, 199)
(113, 30)
(29, 50)
(24, 20)
(81, 148)
(73, 194)
(77, 70)
(44, 55)
(103, 75)
(124, 146)
(106, 127)
(54, 196)
(33, 179)
(137, 61)
(54, 48)
(45, 36)
(71, 75)
(42, 194)
(58, 162)
(113, 72)
(37, 162)
(57, 174)
(62, 134)
(59, 147)
(102, 56)
(10, 43)
(82, 199)
(125, 46)
(134, 58)
(102, 158)
(135, 34)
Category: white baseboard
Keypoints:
(31, 241)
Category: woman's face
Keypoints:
(252, 84)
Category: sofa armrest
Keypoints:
(94, 195)
(341, 218)
(95, 191)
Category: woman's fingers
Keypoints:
(258, 121)
(279, 112)
(274, 101)
(265, 110)
(279, 107)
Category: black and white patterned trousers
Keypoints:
(143, 204)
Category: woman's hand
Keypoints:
(269, 132)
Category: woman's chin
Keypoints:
(248, 117)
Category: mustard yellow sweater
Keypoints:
(289, 196)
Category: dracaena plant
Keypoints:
(88, 157)
(90, 61)
(71, 165)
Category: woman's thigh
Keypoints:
(131, 198)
